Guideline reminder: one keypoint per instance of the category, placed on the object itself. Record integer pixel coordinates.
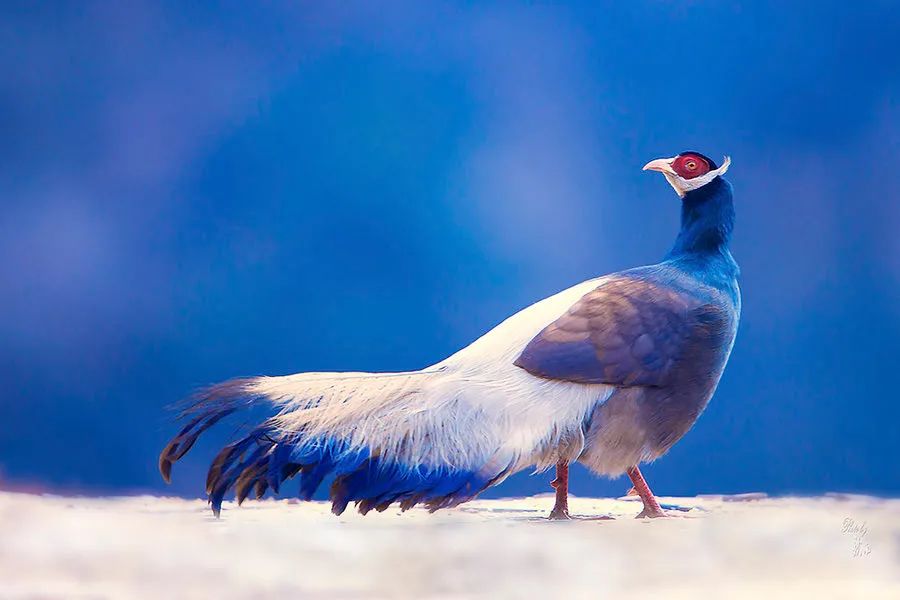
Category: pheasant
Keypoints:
(610, 373)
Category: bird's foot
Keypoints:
(559, 513)
(652, 512)
(564, 515)
(663, 510)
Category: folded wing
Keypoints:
(629, 331)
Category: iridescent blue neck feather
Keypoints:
(707, 220)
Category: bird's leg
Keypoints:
(561, 484)
(651, 506)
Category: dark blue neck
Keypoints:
(707, 219)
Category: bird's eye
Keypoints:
(690, 166)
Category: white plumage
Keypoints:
(610, 372)
(437, 436)
(473, 407)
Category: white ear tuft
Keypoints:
(683, 186)
(726, 162)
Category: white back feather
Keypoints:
(474, 407)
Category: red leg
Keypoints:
(561, 484)
(651, 506)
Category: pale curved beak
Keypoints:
(663, 165)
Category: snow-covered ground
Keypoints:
(147, 547)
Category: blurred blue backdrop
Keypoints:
(193, 192)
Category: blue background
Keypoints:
(194, 193)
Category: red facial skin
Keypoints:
(689, 166)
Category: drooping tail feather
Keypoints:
(385, 437)
(207, 407)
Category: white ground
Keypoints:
(146, 547)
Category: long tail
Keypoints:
(395, 437)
